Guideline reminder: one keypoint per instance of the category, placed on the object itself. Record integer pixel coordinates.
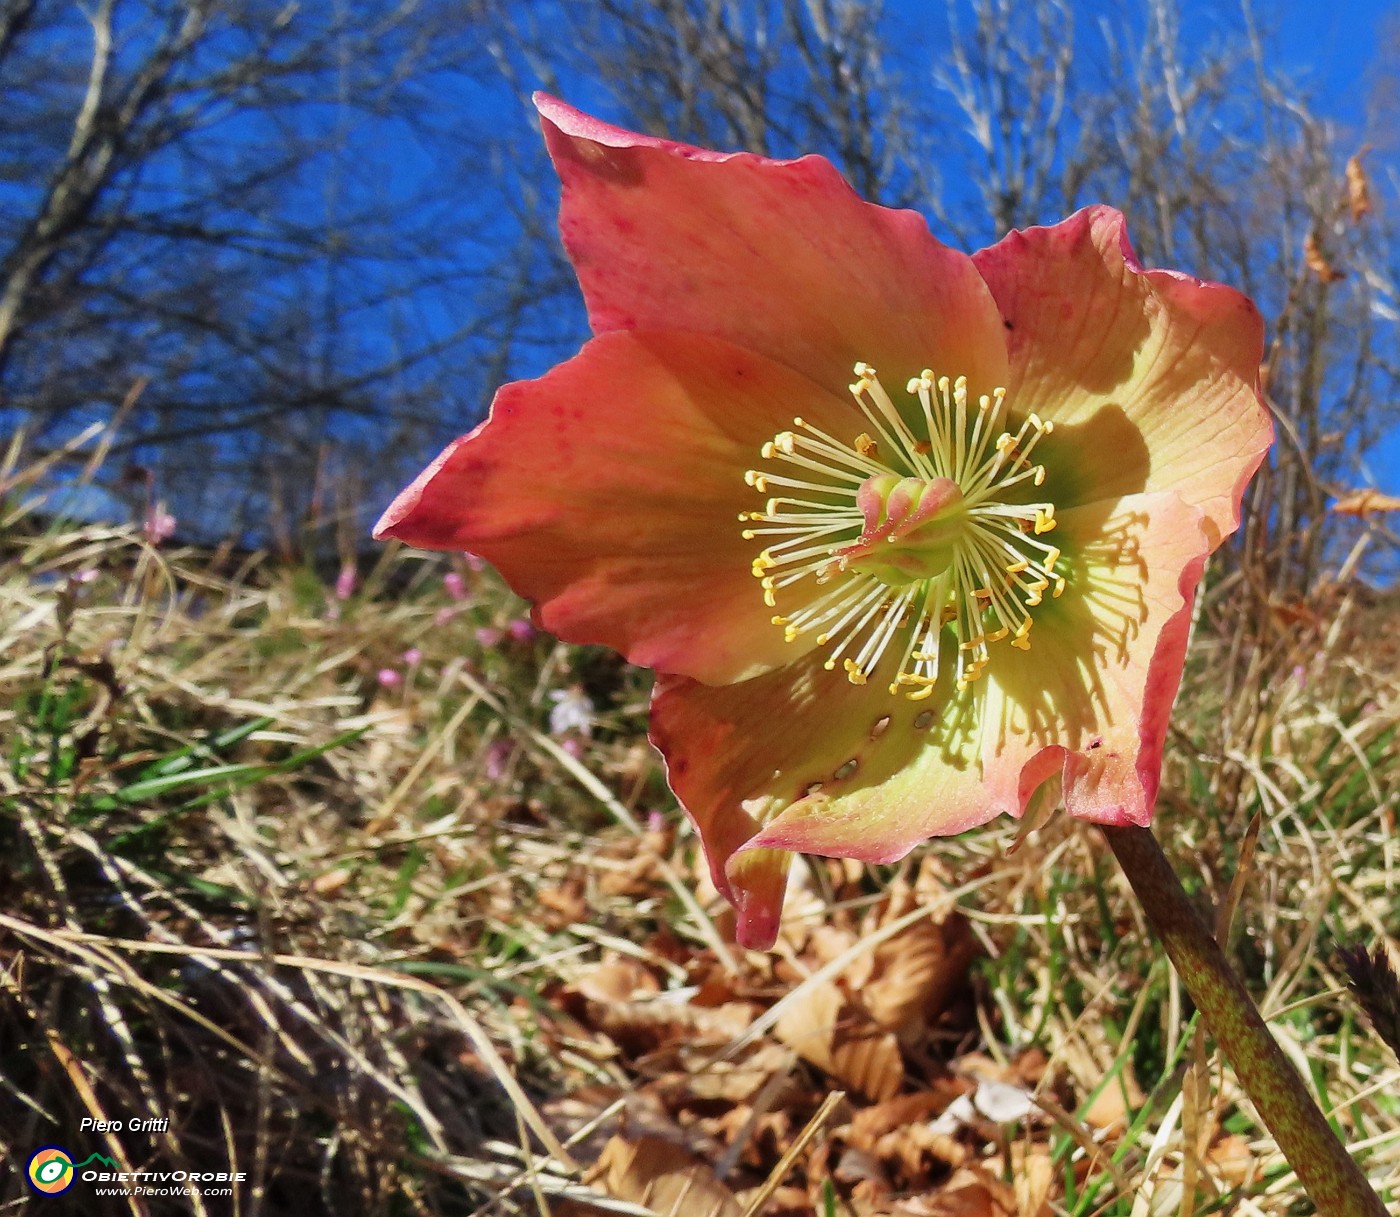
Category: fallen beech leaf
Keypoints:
(1032, 1175)
(735, 1081)
(917, 973)
(874, 1122)
(858, 1164)
(640, 1027)
(1365, 502)
(826, 942)
(1115, 1102)
(1029, 1067)
(329, 882)
(664, 1177)
(972, 1193)
(642, 1114)
(786, 1201)
(913, 1150)
(825, 1031)
(1232, 1160)
(616, 979)
(565, 904)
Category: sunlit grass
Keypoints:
(315, 872)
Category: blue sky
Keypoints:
(1331, 45)
(1326, 47)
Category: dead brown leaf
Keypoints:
(869, 1125)
(972, 1192)
(916, 975)
(1032, 1174)
(565, 904)
(735, 1081)
(664, 1177)
(1365, 502)
(640, 1112)
(827, 1031)
(653, 1022)
(1232, 1162)
(327, 883)
(787, 1201)
(1317, 261)
(618, 978)
(1358, 188)
(1116, 1102)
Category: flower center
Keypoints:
(914, 537)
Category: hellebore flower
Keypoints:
(905, 533)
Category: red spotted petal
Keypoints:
(802, 761)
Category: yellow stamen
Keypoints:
(987, 567)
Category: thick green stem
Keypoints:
(1332, 1180)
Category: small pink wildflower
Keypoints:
(521, 631)
(488, 637)
(159, 525)
(455, 585)
(413, 657)
(389, 678)
(346, 581)
(498, 754)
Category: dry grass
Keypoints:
(363, 928)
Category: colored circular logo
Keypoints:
(50, 1170)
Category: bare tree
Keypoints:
(270, 213)
(329, 225)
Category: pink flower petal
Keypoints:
(609, 492)
(781, 257)
(829, 767)
(800, 760)
(1093, 696)
(1175, 360)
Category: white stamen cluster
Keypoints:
(1000, 567)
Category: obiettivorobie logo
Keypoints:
(51, 1169)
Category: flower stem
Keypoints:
(1332, 1180)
